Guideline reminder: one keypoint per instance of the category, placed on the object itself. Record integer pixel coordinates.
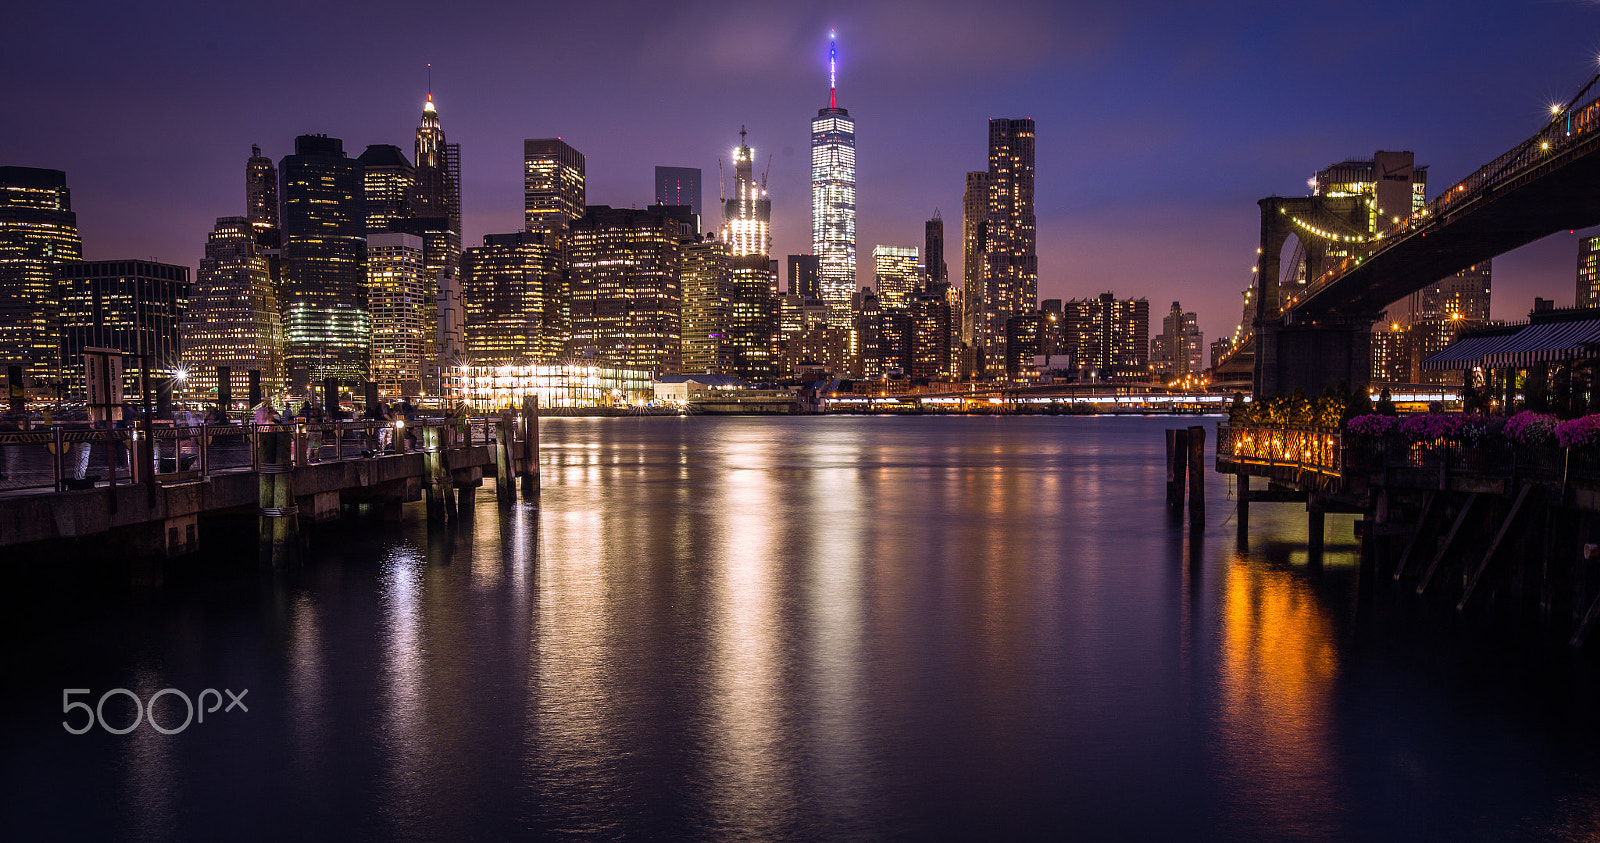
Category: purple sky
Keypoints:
(1159, 124)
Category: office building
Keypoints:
(1179, 350)
(895, 275)
(396, 277)
(931, 318)
(233, 318)
(624, 271)
(707, 307)
(1588, 272)
(934, 270)
(514, 291)
(1108, 338)
(38, 232)
(833, 200)
(747, 215)
(388, 181)
(135, 307)
(753, 318)
(1393, 187)
(553, 184)
(437, 190)
(326, 325)
(804, 272)
(1463, 296)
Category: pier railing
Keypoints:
(1319, 450)
(65, 457)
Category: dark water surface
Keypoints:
(805, 629)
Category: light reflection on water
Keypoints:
(753, 628)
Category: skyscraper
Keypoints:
(974, 251)
(1179, 350)
(1463, 296)
(747, 215)
(803, 277)
(1589, 272)
(326, 325)
(515, 299)
(679, 186)
(233, 319)
(833, 200)
(1109, 336)
(1011, 283)
(438, 171)
(707, 303)
(261, 190)
(38, 231)
(934, 269)
(553, 184)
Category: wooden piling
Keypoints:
(278, 519)
(530, 447)
(434, 478)
(1174, 491)
(503, 482)
(1180, 466)
(1242, 480)
(1197, 473)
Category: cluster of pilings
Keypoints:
(448, 489)
(1186, 470)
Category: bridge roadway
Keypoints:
(157, 514)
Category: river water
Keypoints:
(803, 629)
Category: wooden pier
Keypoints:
(1502, 524)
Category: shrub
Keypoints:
(1579, 432)
(1374, 425)
(1529, 428)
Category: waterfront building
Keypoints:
(514, 292)
(556, 385)
(326, 324)
(1011, 265)
(627, 302)
(395, 282)
(895, 275)
(233, 319)
(833, 200)
(261, 191)
(388, 181)
(1108, 338)
(38, 232)
(974, 251)
(679, 186)
(1178, 351)
(442, 339)
(553, 184)
(135, 307)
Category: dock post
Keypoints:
(503, 482)
(278, 520)
(437, 482)
(1242, 480)
(1174, 491)
(530, 447)
(1180, 466)
(1197, 474)
(1316, 525)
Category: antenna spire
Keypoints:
(833, 70)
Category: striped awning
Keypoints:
(1469, 353)
(1547, 342)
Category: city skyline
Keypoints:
(1156, 140)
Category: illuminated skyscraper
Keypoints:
(894, 270)
(233, 319)
(325, 319)
(803, 279)
(934, 269)
(747, 215)
(261, 190)
(38, 231)
(1011, 282)
(438, 171)
(516, 300)
(974, 251)
(388, 180)
(395, 283)
(833, 200)
(553, 184)
(707, 303)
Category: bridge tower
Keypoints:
(1308, 354)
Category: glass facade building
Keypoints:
(135, 307)
(553, 184)
(395, 283)
(233, 319)
(38, 232)
(326, 322)
(833, 203)
(624, 271)
(515, 297)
